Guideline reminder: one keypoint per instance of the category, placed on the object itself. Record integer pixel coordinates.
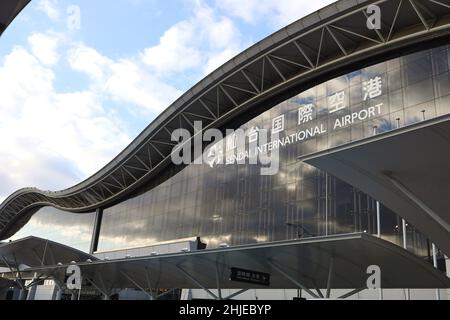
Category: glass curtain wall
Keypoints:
(236, 205)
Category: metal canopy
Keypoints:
(33, 252)
(338, 262)
(408, 171)
(331, 41)
(9, 9)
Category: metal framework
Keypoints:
(331, 41)
(315, 266)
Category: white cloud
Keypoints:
(87, 60)
(53, 139)
(122, 80)
(204, 41)
(129, 83)
(174, 51)
(279, 12)
(50, 139)
(50, 8)
(208, 39)
(45, 47)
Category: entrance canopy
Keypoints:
(34, 252)
(338, 262)
(407, 170)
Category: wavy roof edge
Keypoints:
(413, 31)
(253, 52)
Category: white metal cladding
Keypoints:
(331, 40)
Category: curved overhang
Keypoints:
(332, 41)
(407, 170)
(9, 9)
(314, 263)
(35, 252)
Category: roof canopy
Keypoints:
(33, 252)
(338, 262)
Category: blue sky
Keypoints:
(75, 91)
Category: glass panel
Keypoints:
(418, 69)
(418, 93)
(73, 230)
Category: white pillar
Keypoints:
(381, 296)
(326, 204)
(435, 263)
(447, 265)
(32, 292)
(405, 246)
(58, 293)
(378, 220)
(23, 294)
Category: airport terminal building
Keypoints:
(361, 117)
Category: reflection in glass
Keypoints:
(236, 205)
(74, 230)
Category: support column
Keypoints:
(378, 219)
(330, 277)
(447, 267)
(291, 279)
(236, 294)
(32, 291)
(435, 264)
(198, 283)
(380, 293)
(102, 290)
(23, 294)
(59, 293)
(59, 288)
(96, 231)
(405, 246)
(219, 289)
(150, 296)
(326, 204)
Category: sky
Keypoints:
(79, 80)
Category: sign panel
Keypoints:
(249, 276)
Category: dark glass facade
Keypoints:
(235, 204)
